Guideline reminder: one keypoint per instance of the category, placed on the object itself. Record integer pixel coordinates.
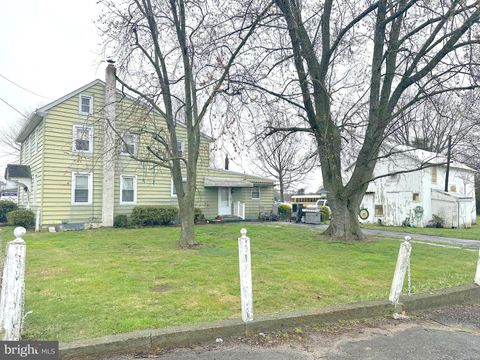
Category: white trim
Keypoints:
(229, 201)
(90, 139)
(134, 189)
(90, 111)
(182, 147)
(135, 144)
(90, 188)
(172, 187)
(259, 193)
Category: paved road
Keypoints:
(416, 237)
(421, 237)
(449, 333)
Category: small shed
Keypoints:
(453, 208)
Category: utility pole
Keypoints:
(449, 154)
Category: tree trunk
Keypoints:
(187, 217)
(282, 191)
(344, 220)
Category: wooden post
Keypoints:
(477, 275)
(13, 285)
(400, 270)
(246, 291)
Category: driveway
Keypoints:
(447, 333)
(398, 234)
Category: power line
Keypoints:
(23, 88)
(12, 107)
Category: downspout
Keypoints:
(449, 153)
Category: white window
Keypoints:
(82, 187)
(180, 148)
(128, 189)
(85, 104)
(129, 144)
(256, 192)
(173, 190)
(82, 138)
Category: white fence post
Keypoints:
(403, 262)
(246, 291)
(37, 220)
(477, 275)
(13, 285)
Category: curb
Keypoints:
(181, 336)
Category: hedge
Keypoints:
(25, 218)
(120, 221)
(5, 207)
(154, 215)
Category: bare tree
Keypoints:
(175, 56)
(354, 62)
(430, 123)
(286, 158)
(7, 139)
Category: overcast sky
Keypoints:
(50, 48)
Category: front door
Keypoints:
(224, 201)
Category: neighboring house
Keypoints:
(413, 198)
(8, 191)
(63, 145)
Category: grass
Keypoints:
(470, 234)
(101, 282)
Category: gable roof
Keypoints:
(222, 174)
(427, 157)
(37, 116)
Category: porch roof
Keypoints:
(225, 182)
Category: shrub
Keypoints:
(5, 207)
(436, 222)
(120, 221)
(284, 211)
(154, 215)
(199, 217)
(25, 218)
(325, 212)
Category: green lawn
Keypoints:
(101, 282)
(470, 234)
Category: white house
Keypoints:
(412, 198)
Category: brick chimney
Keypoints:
(108, 182)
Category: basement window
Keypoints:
(453, 188)
(378, 210)
(416, 197)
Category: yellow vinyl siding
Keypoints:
(61, 161)
(244, 195)
(33, 158)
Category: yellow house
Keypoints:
(62, 143)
